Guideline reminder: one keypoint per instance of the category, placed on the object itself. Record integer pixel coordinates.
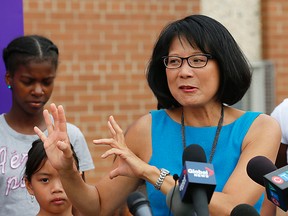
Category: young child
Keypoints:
(43, 182)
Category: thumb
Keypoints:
(114, 173)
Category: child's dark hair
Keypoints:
(26, 49)
(37, 157)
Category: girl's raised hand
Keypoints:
(56, 143)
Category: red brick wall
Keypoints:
(275, 42)
(104, 49)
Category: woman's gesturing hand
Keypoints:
(128, 163)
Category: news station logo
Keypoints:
(196, 173)
(277, 180)
(280, 178)
(201, 173)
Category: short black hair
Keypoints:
(211, 37)
(37, 158)
(29, 48)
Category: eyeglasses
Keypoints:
(194, 61)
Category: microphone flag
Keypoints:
(195, 175)
(276, 184)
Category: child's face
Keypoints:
(46, 186)
(32, 86)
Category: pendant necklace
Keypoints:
(219, 127)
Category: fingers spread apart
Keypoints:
(40, 134)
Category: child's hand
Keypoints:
(56, 144)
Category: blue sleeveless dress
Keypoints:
(167, 149)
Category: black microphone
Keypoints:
(244, 210)
(138, 204)
(197, 181)
(264, 172)
(176, 206)
(258, 167)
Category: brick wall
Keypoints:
(275, 42)
(104, 49)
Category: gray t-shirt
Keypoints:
(14, 198)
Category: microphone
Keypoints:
(244, 209)
(138, 204)
(197, 181)
(262, 170)
(177, 207)
(258, 167)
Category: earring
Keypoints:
(9, 86)
(32, 198)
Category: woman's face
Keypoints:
(32, 86)
(192, 86)
(47, 188)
